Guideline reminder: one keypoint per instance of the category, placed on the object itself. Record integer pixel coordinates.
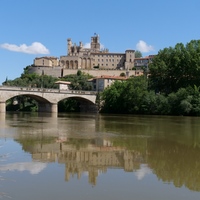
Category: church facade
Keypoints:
(94, 57)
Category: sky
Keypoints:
(37, 28)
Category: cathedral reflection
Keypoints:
(169, 160)
(87, 156)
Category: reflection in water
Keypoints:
(93, 156)
(174, 162)
(32, 167)
(91, 144)
(143, 171)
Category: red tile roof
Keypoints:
(109, 77)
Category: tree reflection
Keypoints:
(174, 162)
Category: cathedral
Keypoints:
(93, 60)
(94, 57)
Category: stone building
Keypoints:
(94, 61)
(94, 57)
(46, 61)
(99, 83)
(143, 62)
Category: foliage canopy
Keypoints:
(174, 68)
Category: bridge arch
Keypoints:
(83, 105)
(35, 97)
(47, 98)
(44, 105)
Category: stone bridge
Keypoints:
(48, 98)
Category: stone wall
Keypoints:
(50, 71)
(101, 72)
(58, 71)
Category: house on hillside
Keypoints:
(143, 62)
(99, 83)
(46, 61)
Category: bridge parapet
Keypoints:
(47, 90)
(46, 97)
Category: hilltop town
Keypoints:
(93, 60)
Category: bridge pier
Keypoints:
(2, 107)
(48, 107)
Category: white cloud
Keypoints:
(102, 46)
(34, 48)
(144, 47)
(144, 170)
(87, 45)
(32, 167)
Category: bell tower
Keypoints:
(69, 46)
(95, 45)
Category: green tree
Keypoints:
(78, 81)
(124, 97)
(154, 104)
(176, 67)
(138, 54)
(112, 98)
(79, 73)
(32, 80)
(122, 74)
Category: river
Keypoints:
(96, 156)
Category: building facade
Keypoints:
(47, 61)
(79, 57)
(143, 62)
(99, 83)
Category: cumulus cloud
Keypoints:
(143, 47)
(87, 45)
(32, 167)
(144, 170)
(34, 48)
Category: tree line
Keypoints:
(134, 97)
(170, 87)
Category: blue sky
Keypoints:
(36, 28)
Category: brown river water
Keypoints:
(96, 157)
